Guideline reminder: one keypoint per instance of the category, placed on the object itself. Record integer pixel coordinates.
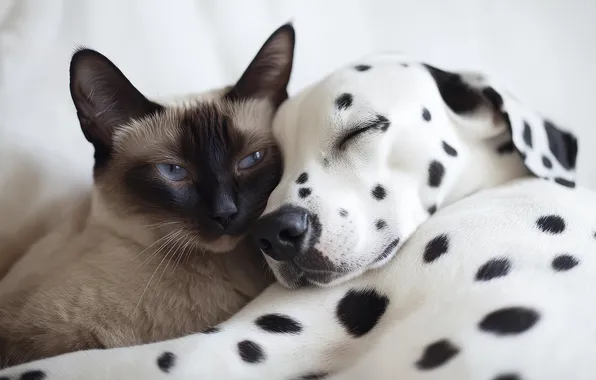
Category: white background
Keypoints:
(544, 50)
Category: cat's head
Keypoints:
(202, 168)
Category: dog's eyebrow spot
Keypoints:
(451, 151)
(432, 209)
(379, 192)
(426, 114)
(343, 212)
(362, 67)
(436, 172)
(344, 101)
(304, 192)
(302, 178)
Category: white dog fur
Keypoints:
(496, 285)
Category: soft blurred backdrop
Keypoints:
(543, 50)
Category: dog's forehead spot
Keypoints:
(380, 224)
(304, 192)
(436, 172)
(362, 67)
(451, 151)
(344, 101)
(379, 192)
(426, 116)
(302, 178)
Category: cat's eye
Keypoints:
(251, 160)
(172, 172)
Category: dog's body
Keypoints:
(496, 285)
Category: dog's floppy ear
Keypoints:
(268, 74)
(104, 99)
(548, 151)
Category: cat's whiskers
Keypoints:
(183, 251)
(174, 250)
(154, 273)
(170, 237)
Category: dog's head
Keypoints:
(375, 148)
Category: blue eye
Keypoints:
(251, 160)
(172, 172)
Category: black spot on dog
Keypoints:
(280, 324)
(449, 149)
(509, 320)
(250, 352)
(379, 192)
(456, 93)
(546, 162)
(506, 148)
(166, 361)
(380, 224)
(359, 311)
(362, 67)
(426, 114)
(493, 268)
(527, 134)
(304, 192)
(564, 262)
(493, 97)
(437, 354)
(382, 123)
(435, 248)
(552, 224)
(33, 375)
(436, 171)
(563, 145)
(210, 330)
(432, 209)
(507, 376)
(564, 182)
(302, 178)
(314, 376)
(344, 101)
(343, 212)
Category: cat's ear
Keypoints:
(104, 99)
(268, 74)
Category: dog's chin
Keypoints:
(292, 277)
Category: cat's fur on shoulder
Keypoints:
(156, 251)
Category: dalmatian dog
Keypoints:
(496, 285)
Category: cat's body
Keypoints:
(157, 250)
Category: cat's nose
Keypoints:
(281, 235)
(223, 212)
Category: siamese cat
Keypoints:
(158, 250)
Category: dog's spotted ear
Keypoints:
(548, 151)
(268, 74)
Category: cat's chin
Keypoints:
(222, 244)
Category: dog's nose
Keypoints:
(281, 234)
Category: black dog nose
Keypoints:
(281, 234)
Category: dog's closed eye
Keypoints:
(379, 124)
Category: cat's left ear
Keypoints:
(268, 74)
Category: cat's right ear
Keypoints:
(268, 74)
(104, 99)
